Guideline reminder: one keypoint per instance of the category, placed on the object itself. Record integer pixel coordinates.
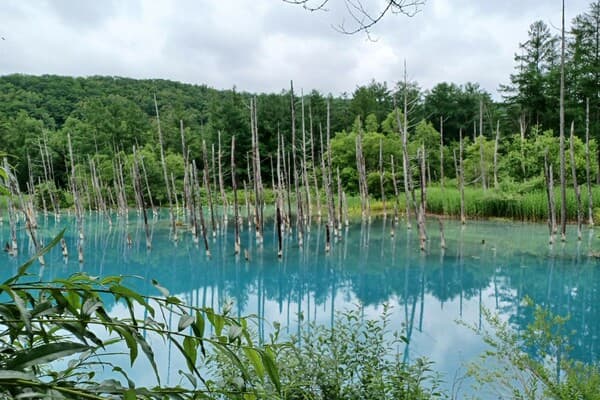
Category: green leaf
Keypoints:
(173, 300)
(198, 326)
(256, 360)
(190, 347)
(44, 354)
(62, 301)
(162, 290)
(190, 378)
(81, 333)
(20, 304)
(122, 291)
(111, 279)
(130, 394)
(269, 362)
(148, 351)
(185, 321)
(9, 375)
(217, 321)
(131, 343)
(90, 306)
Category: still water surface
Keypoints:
(491, 264)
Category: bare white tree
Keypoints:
(362, 14)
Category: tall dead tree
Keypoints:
(313, 163)
(403, 131)
(563, 182)
(279, 200)
(76, 199)
(362, 177)
(461, 177)
(496, 154)
(224, 202)
(12, 217)
(587, 164)
(442, 153)
(396, 199)
(299, 210)
(423, 203)
(550, 196)
(305, 166)
(206, 179)
(331, 199)
(165, 174)
(381, 178)
(256, 170)
(137, 185)
(199, 207)
(575, 185)
(235, 201)
(481, 143)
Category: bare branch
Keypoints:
(363, 19)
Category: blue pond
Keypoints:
(491, 264)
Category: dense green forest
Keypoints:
(106, 116)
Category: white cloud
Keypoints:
(259, 45)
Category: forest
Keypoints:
(110, 150)
(504, 139)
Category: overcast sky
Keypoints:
(259, 45)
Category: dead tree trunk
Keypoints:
(12, 217)
(461, 180)
(304, 166)
(196, 186)
(235, 202)
(575, 185)
(481, 143)
(362, 178)
(496, 154)
(563, 182)
(137, 185)
(550, 196)
(152, 207)
(423, 202)
(587, 164)
(76, 199)
(331, 199)
(165, 174)
(381, 178)
(221, 186)
(442, 153)
(403, 131)
(206, 179)
(256, 170)
(395, 184)
(314, 165)
(299, 210)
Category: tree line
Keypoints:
(107, 116)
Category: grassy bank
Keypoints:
(526, 204)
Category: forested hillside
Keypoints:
(106, 116)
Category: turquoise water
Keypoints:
(491, 264)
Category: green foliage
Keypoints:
(533, 364)
(66, 319)
(524, 201)
(357, 358)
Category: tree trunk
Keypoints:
(235, 202)
(587, 164)
(461, 180)
(563, 183)
(575, 185)
(165, 174)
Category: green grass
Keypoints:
(529, 204)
